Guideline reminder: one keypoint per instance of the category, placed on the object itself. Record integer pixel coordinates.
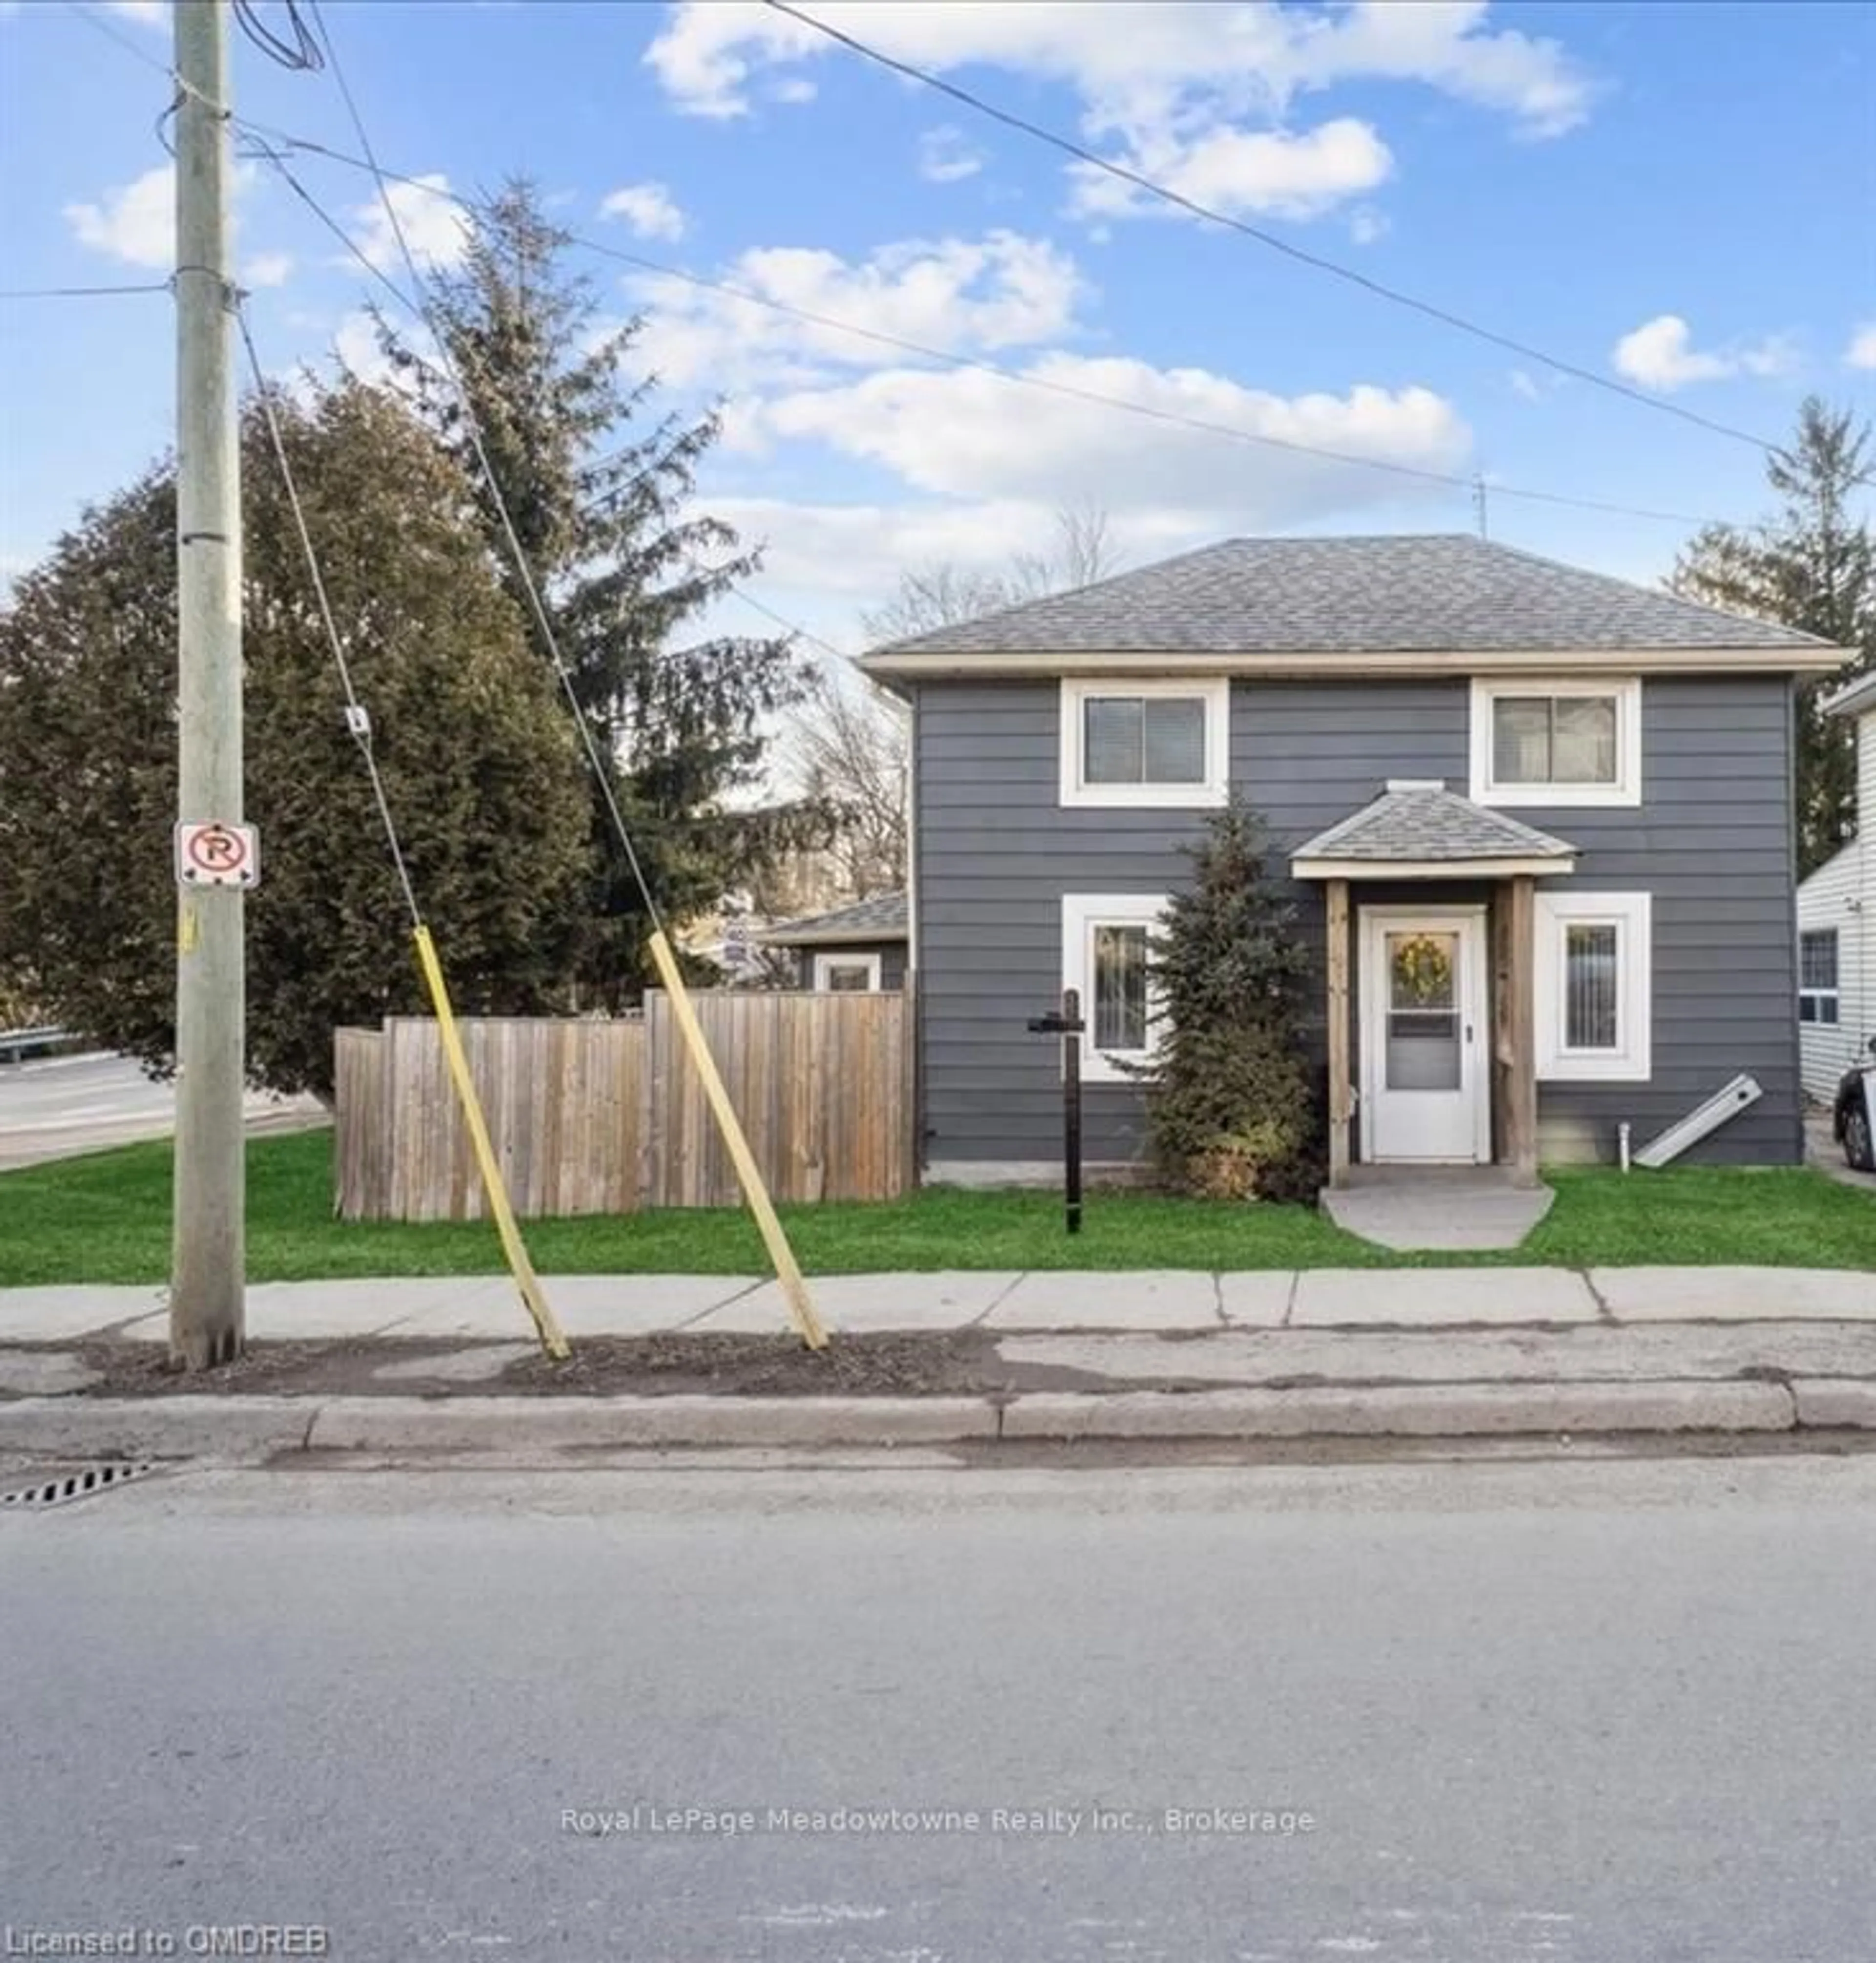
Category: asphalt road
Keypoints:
(1538, 1713)
(58, 1106)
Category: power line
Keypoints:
(303, 52)
(1446, 479)
(978, 364)
(472, 424)
(81, 293)
(1068, 146)
(357, 719)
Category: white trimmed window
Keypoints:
(844, 974)
(1153, 743)
(1595, 1010)
(1818, 1000)
(1104, 939)
(1561, 743)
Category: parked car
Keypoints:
(1854, 1117)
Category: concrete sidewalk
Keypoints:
(430, 1367)
(1161, 1302)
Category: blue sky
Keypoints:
(1683, 196)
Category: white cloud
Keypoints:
(1188, 88)
(1862, 351)
(145, 13)
(1525, 384)
(135, 222)
(1366, 225)
(267, 269)
(432, 221)
(1234, 170)
(1002, 290)
(649, 209)
(946, 156)
(966, 435)
(1660, 354)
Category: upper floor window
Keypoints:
(1152, 743)
(1559, 743)
(1817, 997)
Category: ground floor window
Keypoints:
(1817, 997)
(847, 974)
(1105, 955)
(1594, 1006)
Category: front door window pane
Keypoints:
(1120, 988)
(1591, 954)
(1422, 1045)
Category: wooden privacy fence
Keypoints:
(609, 1117)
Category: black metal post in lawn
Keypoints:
(1066, 1023)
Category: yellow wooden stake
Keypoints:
(553, 1341)
(801, 1308)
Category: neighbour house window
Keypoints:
(847, 974)
(1817, 998)
(1560, 743)
(1593, 961)
(1153, 743)
(1105, 954)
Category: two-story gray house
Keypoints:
(1539, 822)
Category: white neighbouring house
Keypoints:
(1836, 926)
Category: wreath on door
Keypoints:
(1423, 967)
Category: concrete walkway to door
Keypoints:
(1440, 1208)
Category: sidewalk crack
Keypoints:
(1002, 1296)
(1289, 1300)
(1604, 1312)
(747, 1289)
(1217, 1300)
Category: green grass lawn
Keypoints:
(105, 1217)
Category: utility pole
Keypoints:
(207, 1309)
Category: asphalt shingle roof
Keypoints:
(883, 918)
(1424, 822)
(1394, 594)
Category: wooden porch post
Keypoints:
(1521, 1079)
(1336, 943)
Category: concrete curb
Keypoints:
(255, 1428)
(1408, 1411)
(469, 1424)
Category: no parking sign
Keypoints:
(217, 855)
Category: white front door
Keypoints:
(1425, 1084)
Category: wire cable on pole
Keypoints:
(472, 424)
(358, 722)
(1139, 181)
(357, 717)
(303, 52)
(81, 293)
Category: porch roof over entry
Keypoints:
(1417, 829)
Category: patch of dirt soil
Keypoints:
(954, 1362)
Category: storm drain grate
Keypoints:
(79, 1485)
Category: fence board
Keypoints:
(608, 1117)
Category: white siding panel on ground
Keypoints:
(1842, 894)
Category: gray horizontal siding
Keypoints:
(996, 853)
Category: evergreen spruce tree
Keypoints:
(1230, 1102)
(599, 482)
(1813, 567)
